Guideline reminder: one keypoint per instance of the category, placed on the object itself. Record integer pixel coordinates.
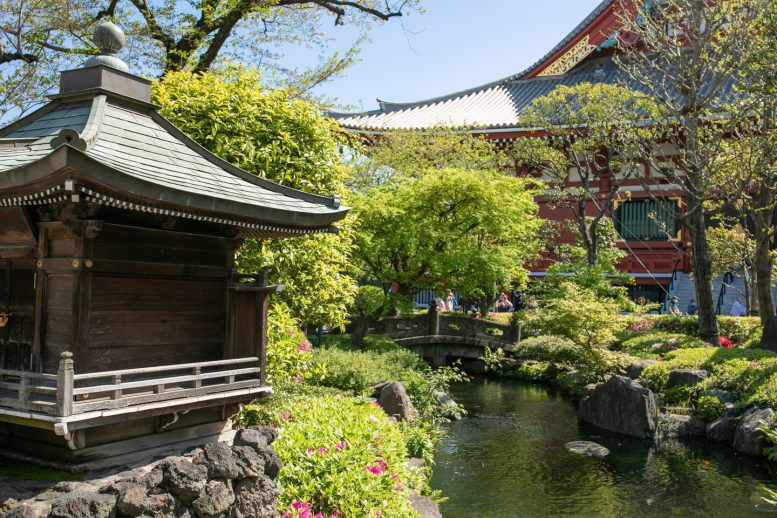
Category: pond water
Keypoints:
(507, 459)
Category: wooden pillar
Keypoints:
(65, 385)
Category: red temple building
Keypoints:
(655, 257)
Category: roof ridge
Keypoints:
(388, 106)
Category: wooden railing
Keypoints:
(66, 393)
(22, 390)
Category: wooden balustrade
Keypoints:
(66, 393)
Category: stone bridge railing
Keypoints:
(435, 324)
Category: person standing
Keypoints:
(503, 305)
(450, 301)
(738, 309)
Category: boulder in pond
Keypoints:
(396, 402)
(621, 405)
(685, 377)
(587, 448)
(748, 438)
(721, 430)
(682, 426)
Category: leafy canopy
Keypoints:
(277, 136)
(463, 229)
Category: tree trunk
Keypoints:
(762, 267)
(361, 326)
(702, 271)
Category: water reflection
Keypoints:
(507, 459)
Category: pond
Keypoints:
(507, 459)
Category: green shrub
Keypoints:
(737, 329)
(741, 371)
(769, 432)
(289, 353)
(582, 317)
(533, 371)
(709, 408)
(340, 455)
(358, 371)
(655, 345)
(754, 340)
(554, 349)
(368, 301)
(377, 343)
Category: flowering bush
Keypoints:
(656, 344)
(737, 329)
(289, 354)
(342, 457)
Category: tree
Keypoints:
(686, 56)
(448, 228)
(284, 139)
(587, 152)
(755, 152)
(400, 153)
(39, 37)
(603, 278)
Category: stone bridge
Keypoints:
(438, 336)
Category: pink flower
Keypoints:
(660, 358)
(286, 515)
(336, 515)
(322, 451)
(375, 470)
(340, 445)
(377, 513)
(308, 452)
(286, 416)
(377, 404)
(374, 419)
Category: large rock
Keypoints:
(184, 479)
(83, 504)
(747, 437)
(685, 377)
(769, 336)
(255, 498)
(425, 506)
(621, 405)
(396, 403)
(133, 501)
(217, 458)
(252, 437)
(214, 500)
(248, 461)
(448, 407)
(635, 369)
(721, 430)
(682, 426)
(587, 448)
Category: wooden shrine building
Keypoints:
(123, 326)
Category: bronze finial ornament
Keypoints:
(109, 39)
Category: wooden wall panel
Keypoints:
(159, 246)
(57, 320)
(146, 321)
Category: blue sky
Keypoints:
(455, 44)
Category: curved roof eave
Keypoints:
(67, 158)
